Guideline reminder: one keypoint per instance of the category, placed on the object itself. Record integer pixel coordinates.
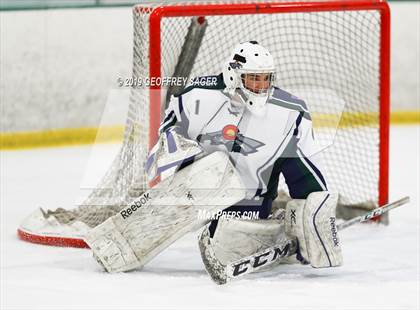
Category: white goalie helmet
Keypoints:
(249, 75)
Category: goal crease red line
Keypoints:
(52, 240)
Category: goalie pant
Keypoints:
(261, 148)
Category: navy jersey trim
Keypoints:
(286, 100)
(314, 168)
(170, 121)
(264, 169)
(185, 122)
(300, 174)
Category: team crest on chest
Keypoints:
(232, 139)
(229, 132)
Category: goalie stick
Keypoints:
(221, 274)
(374, 213)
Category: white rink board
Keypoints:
(64, 80)
(381, 267)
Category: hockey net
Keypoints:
(320, 49)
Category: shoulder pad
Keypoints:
(286, 100)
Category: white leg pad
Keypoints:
(140, 231)
(294, 224)
(235, 239)
(312, 221)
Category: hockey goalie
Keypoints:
(224, 142)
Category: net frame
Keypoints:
(158, 13)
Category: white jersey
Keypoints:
(261, 147)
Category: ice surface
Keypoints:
(381, 267)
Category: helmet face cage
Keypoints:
(258, 83)
(249, 76)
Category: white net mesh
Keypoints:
(317, 54)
